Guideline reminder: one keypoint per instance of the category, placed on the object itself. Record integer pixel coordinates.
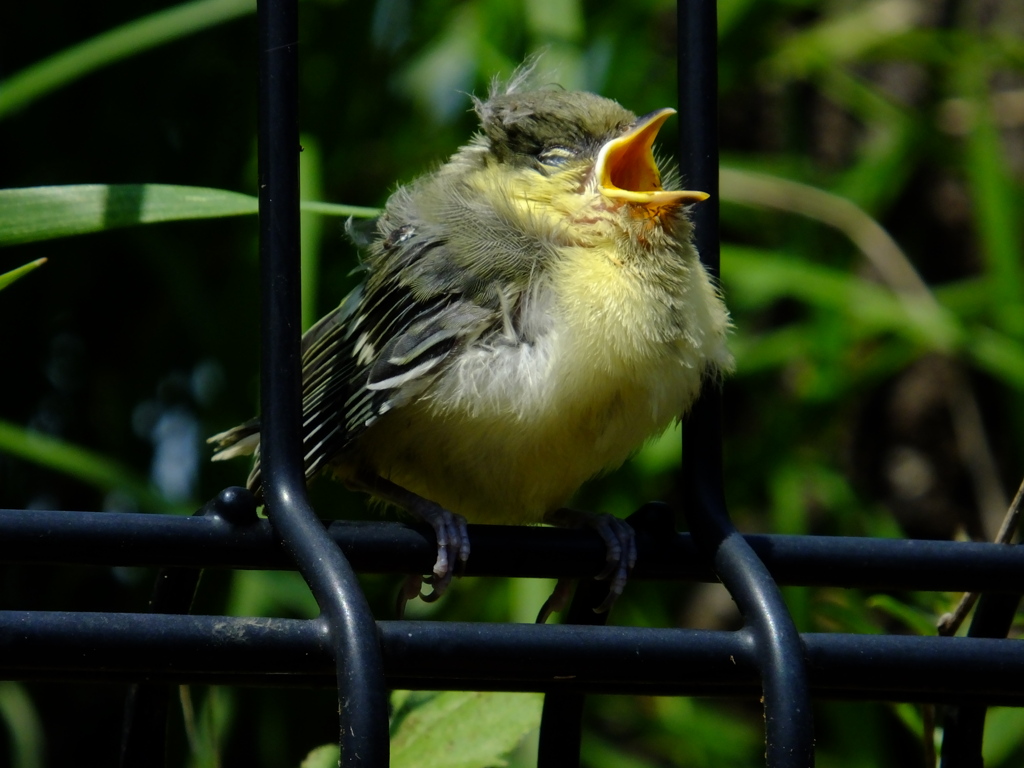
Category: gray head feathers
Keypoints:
(519, 120)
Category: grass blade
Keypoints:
(119, 43)
(15, 274)
(30, 214)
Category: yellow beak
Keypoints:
(626, 169)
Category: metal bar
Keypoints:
(561, 726)
(561, 723)
(789, 726)
(144, 729)
(345, 614)
(109, 539)
(964, 727)
(106, 647)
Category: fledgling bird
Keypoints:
(533, 311)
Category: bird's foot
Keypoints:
(620, 557)
(452, 535)
(450, 530)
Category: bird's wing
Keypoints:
(383, 346)
(379, 350)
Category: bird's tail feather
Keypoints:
(237, 441)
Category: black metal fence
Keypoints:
(345, 647)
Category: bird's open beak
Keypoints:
(626, 169)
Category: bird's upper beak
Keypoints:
(626, 169)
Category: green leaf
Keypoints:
(598, 751)
(700, 732)
(757, 278)
(207, 723)
(763, 190)
(23, 726)
(560, 20)
(888, 156)
(324, 756)
(119, 43)
(89, 467)
(844, 611)
(30, 214)
(9, 277)
(270, 593)
(463, 729)
(910, 716)
(663, 453)
(999, 355)
(843, 37)
(910, 616)
(43, 213)
(1002, 743)
(995, 201)
(772, 349)
(310, 185)
(337, 209)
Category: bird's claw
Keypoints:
(452, 535)
(620, 539)
(620, 543)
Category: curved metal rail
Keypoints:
(789, 727)
(345, 615)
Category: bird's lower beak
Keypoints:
(626, 169)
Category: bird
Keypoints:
(532, 311)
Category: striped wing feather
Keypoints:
(379, 349)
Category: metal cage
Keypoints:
(347, 648)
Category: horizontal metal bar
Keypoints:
(109, 647)
(108, 538)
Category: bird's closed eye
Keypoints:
(555, 155)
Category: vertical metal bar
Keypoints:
(344, 611)
(698, 120)
(561, 724)
(789, 728)
(561, 730)
(964, 727)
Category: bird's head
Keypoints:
(577, 157)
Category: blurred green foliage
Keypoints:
(872, 189)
